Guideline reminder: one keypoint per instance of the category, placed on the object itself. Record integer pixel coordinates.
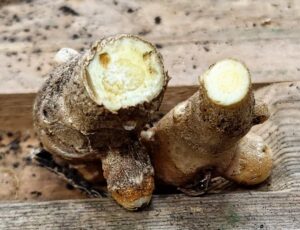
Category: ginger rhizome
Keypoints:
(209, 132)
(94, 105)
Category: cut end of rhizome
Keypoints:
(227, 82)
(124, 71)
(135, 197)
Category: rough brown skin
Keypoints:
(252, 161)
(199, 135)
(72, 126)
(131, 177)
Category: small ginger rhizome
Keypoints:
(93, 112)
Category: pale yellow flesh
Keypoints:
(124, 73)
(227, 82)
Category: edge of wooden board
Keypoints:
(16, 108)
(248, 210)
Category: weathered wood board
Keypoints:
(273, 205)
(191, 35)
(16, 109)
(250, 210)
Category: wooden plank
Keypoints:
(16, 109)
(252, 210)
(191, 35)
(278, 207)
(281, 132)
(21, 178)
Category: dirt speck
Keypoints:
(16, 164)
(130, 10)
(206, 48)
(15, 144)
(12, 39)
(157, 20)
(37, 51)
(68, 11)
(75, 36)
(27, 160)
(36, 193)
(144, 32)
(16, 18)
(158, 46)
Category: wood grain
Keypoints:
(272, 205)
(16, 109)
(282, 133)
(252, 210)
(191, 35)
(22, 179)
